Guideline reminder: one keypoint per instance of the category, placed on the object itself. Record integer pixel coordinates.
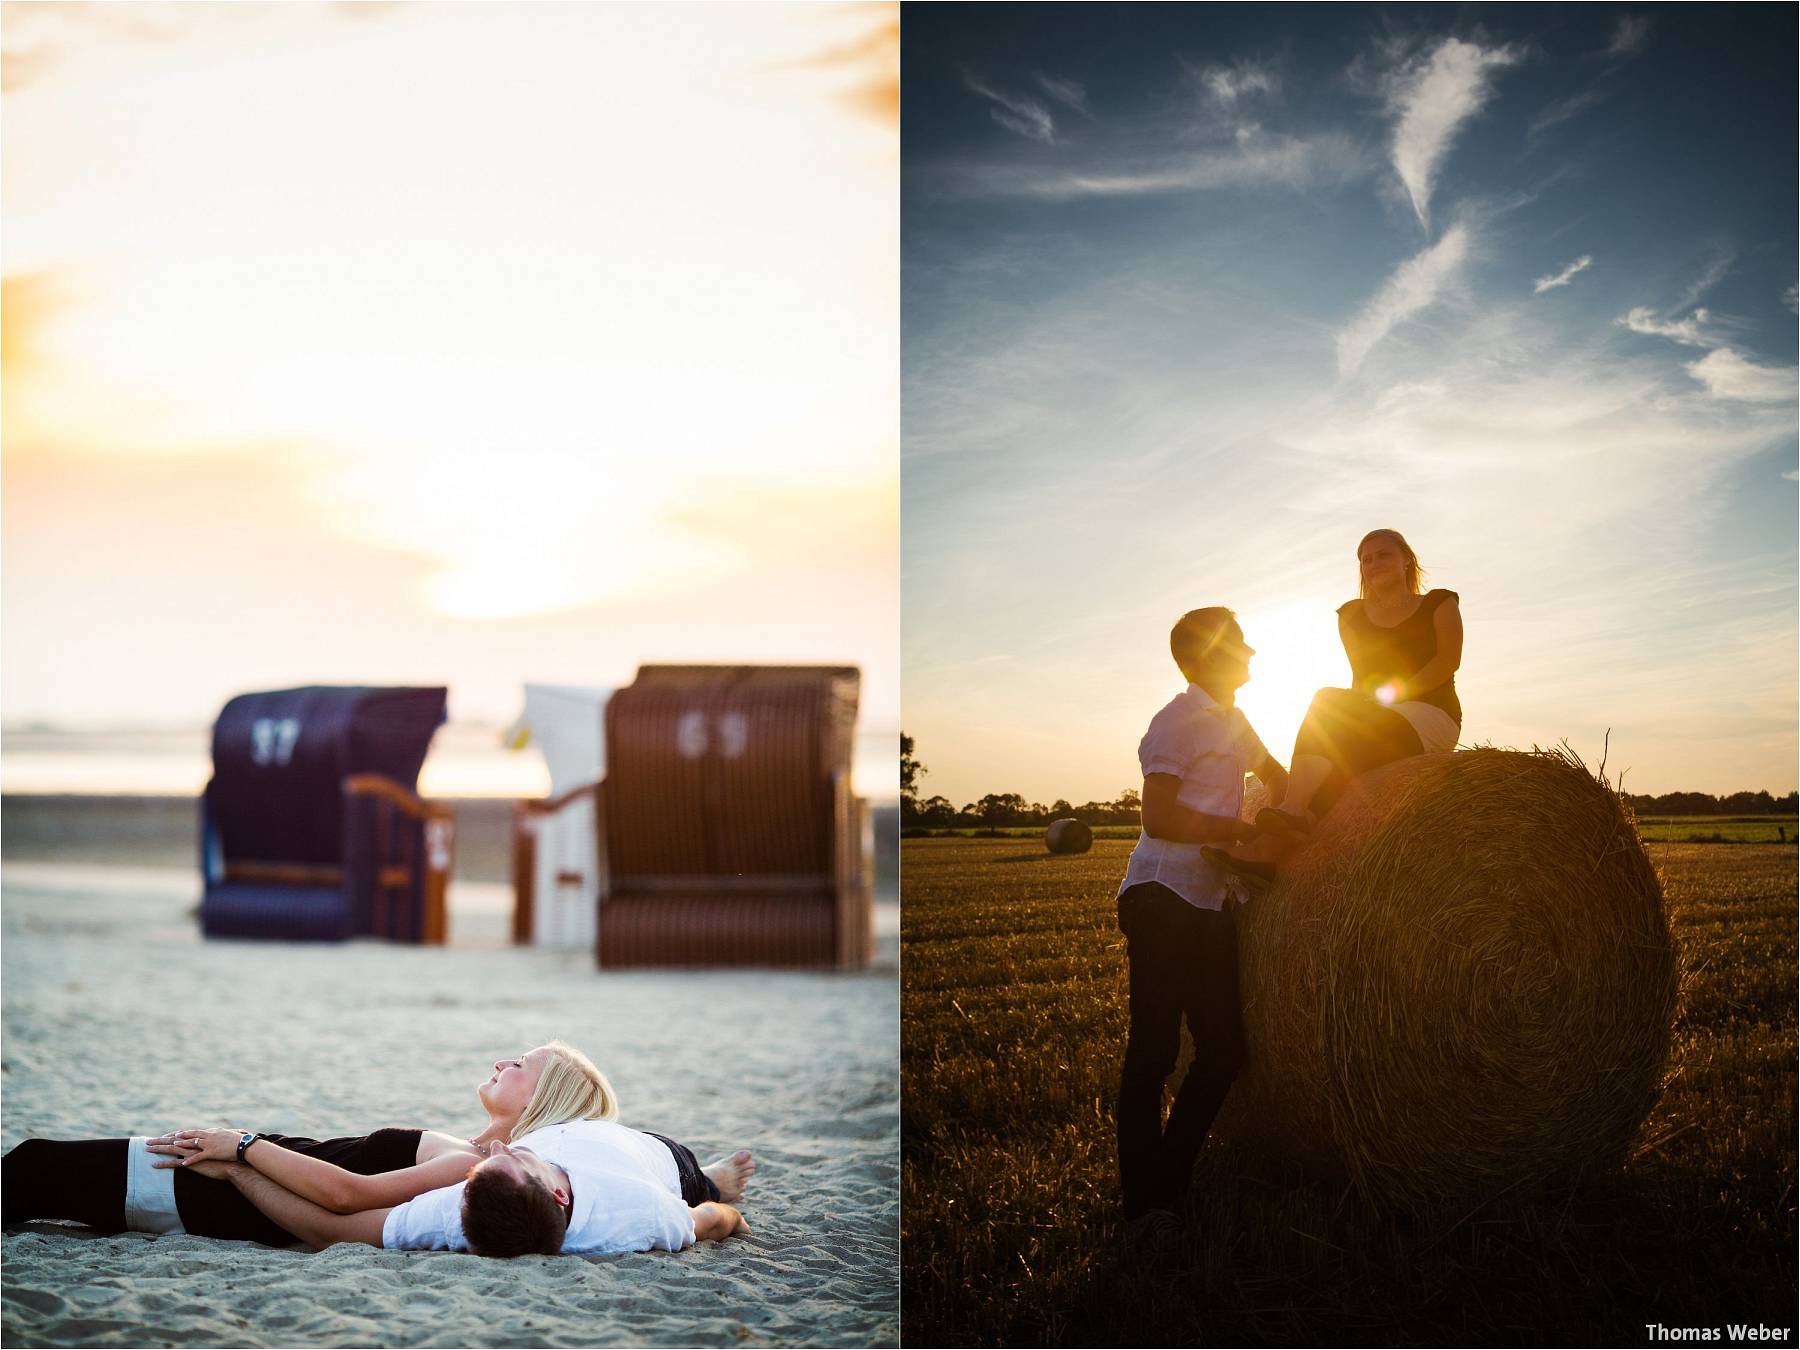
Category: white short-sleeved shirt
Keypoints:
(624, 1201)
(1210, 748)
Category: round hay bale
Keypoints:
(1462, 984)
(1068, 836)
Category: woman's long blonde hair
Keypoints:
(1413, 570)
(569, 1088)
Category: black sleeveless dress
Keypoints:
(1378, 654)
(84, 1180)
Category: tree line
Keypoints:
(1701, 804)
(1001, 809)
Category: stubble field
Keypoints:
(1013, 1008)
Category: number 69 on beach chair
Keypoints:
(311, 828)
(730, 831)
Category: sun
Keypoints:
(1297, 654)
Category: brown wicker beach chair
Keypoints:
(729, 827)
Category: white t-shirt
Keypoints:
(1210, 748)
(625, 1199)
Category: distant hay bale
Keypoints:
(1068, 836)
(1462, 984)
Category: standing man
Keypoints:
(1175, 912)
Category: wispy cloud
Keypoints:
(1564, 277)
(1562, 109)
(1629, 37)
(1414, 285)
(1225, 85)
(1727, 375)
(1687, 331)
(1016, 112)
(1431, 100)
(1710, 275)
(1791, 298)
(871, 59)
(38, 37)
(1069, 93)
(1254, 158)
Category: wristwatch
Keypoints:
(247, 1138)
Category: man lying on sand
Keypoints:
(591, 1186)
(114, 1185)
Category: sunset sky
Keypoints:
(1195, 297)
(461, 344)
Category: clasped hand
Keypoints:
(196, 1148)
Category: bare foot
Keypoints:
(732, 1175)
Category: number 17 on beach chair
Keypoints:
(311, 828)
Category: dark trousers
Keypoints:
(84, 1180)
(1356, 734)
(1183, 963)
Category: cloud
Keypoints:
(1069, 93)
(873, 59)
(1564, 108)
(359, 10)
(1414, 285)
(1727, 375)
(1255, 159)
(1791, 298)
(36, 38)
(1564, 277)
(1017, 113)
(1224, 85)
(1644, 320)
(28, 301)
(1432, 99)
(1629, 37)
(1716, 268)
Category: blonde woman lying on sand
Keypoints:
(214, 1183)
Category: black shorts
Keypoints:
(696, 1187)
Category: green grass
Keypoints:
(1014, 1016)
(1654, 829)
(1717, 829)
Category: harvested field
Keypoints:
(1014, 1017)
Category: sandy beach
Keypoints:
(120, 1019)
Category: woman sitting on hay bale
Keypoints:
(1404, 650)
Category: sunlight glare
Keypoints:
(1297, 654)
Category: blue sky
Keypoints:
(1193, 297)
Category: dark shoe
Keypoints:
(1273, 820)
(1156, 1233)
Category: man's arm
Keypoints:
(336, 1188)
(714, 1221)
(313, 1224)
(1166, 818)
